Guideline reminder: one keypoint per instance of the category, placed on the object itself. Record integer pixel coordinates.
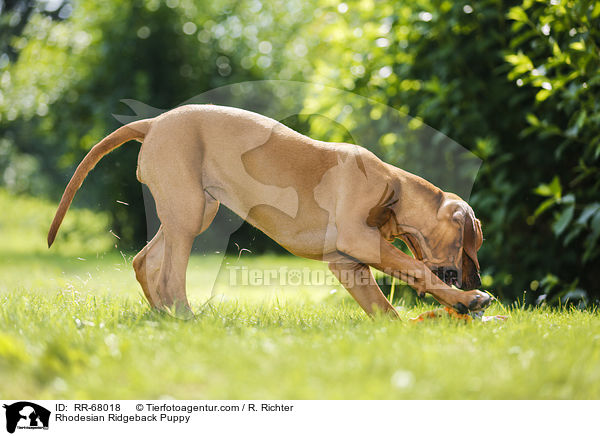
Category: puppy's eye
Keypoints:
(458, 217)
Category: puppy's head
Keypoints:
(442, 232)
(454, 242)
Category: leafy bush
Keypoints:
(515, 83)
(555, 52)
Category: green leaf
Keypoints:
(542, 207)
(579, 46)
(581, 119)
(556, 49)
(521, 62)
(595, 225)
(563, 220)
(589, 210)
(552, 189)
(549, 282)
(518, 14)
(532, 119)
(590, 241)
(543, 94)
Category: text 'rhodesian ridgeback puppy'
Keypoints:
(333, 202)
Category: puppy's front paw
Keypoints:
(473, 301)
(461, 308)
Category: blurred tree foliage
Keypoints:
(73, 68)
(516, 82)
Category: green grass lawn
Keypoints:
(73, 324)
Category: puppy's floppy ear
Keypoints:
(472, 237)
(382, 214)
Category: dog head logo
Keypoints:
(26, 415)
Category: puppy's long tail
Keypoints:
(136, 130)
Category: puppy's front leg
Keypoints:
(422, 279)
(372, 249)
(358, 280)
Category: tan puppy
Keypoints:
(333, 202)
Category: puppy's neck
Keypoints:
(419, 201)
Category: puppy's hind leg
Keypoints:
(161, 266)
(147, 276)
(153, 268)
(170, 164)
(185, 211)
